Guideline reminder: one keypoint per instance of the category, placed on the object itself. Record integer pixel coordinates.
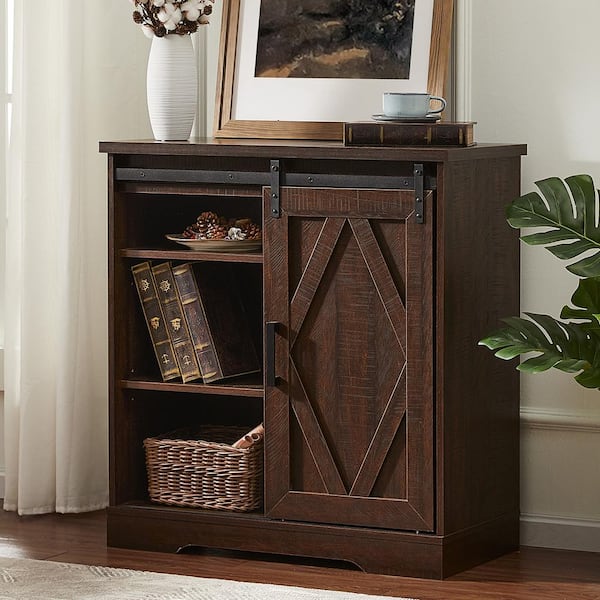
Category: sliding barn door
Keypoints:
(349, 400)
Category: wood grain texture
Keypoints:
(314, 438)
(439, 53)
(347, 349)
(196, 152)
(313, 273)
(478, 395)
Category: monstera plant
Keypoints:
(569, 213)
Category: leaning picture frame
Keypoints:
(308, 108)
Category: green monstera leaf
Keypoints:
(569, 213)
(568, 208)
(569, 347)
(587, 300)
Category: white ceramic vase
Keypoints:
(172, 87)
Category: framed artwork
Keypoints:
(299, 70)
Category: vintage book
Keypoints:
(175, 322)
(217, 320)
(443, 133)
(163, 348)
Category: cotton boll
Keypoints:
(192, 9)
(169, 16)
(158, 3)
(193, 14)
(165, 14)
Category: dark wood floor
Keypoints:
(532, 573)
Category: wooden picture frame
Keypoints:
(228, 125)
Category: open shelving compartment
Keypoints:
(142, 405)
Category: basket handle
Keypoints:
(271, 331)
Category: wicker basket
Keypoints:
(186, 469)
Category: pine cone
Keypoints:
(252, 232)
(216, 232)
(207, 218)
(192, 232)
(210, 226)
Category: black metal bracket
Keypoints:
(419, 192)
(275, 189)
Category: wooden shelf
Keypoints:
(247, 386)
(189, 255)
(152, 507)
(192, 190)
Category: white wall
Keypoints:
(2, 442)
(528, 73)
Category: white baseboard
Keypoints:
(561, 420)
(560, 532)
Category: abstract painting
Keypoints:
(347, 39)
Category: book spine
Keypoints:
(196, 319)
(176, 323)
(163, 348)
(408, 134)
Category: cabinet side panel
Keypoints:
(477, 394)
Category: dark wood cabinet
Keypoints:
(391, 438)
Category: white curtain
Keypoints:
(78, 78)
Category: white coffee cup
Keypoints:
(401, 104)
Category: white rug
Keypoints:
(24, 579)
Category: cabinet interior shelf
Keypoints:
(248, 386)
(190, 255)
(191, 512)
(216, 191)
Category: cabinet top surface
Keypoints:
(309, 149)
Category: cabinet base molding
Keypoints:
(408, 554)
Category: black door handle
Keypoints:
(270, 332)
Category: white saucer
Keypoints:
(426, 119)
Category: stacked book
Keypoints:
(404, 133)
(196, 320)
